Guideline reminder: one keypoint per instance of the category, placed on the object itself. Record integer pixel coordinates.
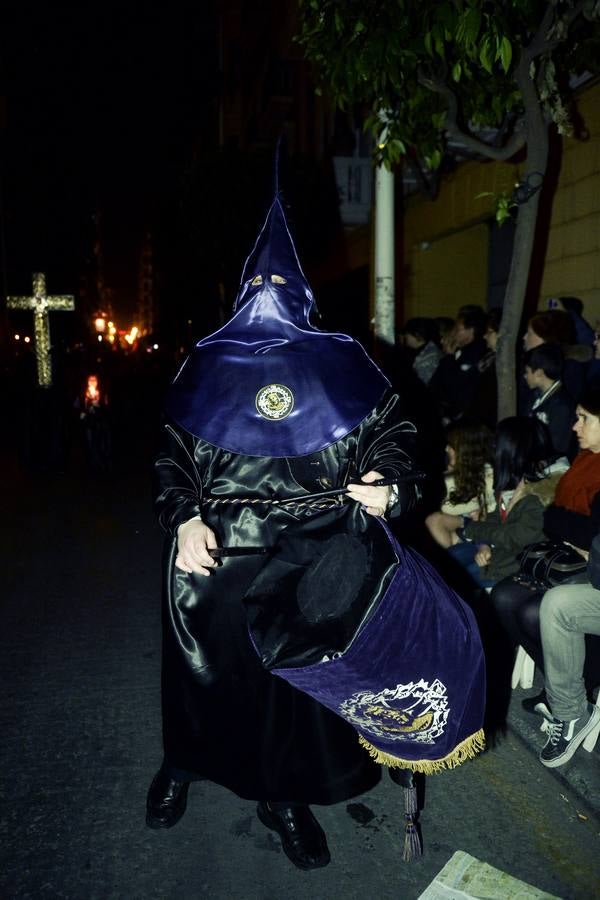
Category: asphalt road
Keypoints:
(80, 660)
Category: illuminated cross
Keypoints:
(42, 304)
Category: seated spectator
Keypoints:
(549, 326)
(567, 613)
(584, 333)
(575, 513)
(488, 548)
(593, 371)
(445, 326)
(574, 516)
(421, 336)
(469, 478)
(552, 405)
(485, 402)
(490, 336)
(555, 326)
(455, 378)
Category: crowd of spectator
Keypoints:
(513, 483)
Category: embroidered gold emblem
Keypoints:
(274, 402)
(416, 712)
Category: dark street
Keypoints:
(81, 741)
(416, 192)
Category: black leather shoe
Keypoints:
(302, 838)
(166, 802)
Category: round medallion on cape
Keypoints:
(274, 402)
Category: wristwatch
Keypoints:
(394, 496)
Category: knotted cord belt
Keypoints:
(309, 501)
(319, 500)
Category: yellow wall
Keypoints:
(445, 242)
(439, 277)
(573, 255)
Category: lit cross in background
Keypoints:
(42, 304)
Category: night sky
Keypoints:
(103, 109)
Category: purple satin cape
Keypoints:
(269, 383)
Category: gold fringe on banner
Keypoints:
(467, 749)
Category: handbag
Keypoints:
(548, 563)
(593, 567)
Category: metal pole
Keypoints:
(384, 257)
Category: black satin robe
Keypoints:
(225, 717)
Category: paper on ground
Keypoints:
(466, 878)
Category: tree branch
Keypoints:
(507, 123)
(540, 43)
(426, 186)
(514, 144)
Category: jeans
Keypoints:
(567, 614)
(464, 554)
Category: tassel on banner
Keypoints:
(405, 779)
(412, 844)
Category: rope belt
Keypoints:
(298, 502)
(320, 500)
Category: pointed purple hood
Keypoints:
(269, 383)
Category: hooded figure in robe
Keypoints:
(266, 411)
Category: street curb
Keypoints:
(581, 774)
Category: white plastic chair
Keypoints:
(523, 670)
(590, 741)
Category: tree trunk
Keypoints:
(535, 170)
